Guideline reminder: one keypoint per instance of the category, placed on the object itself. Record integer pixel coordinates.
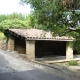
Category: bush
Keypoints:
(73, 63)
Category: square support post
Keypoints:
(30, 50)
(69, 51)
(10, 45)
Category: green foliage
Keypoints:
(76, 46)
(3, 17)
(12, 16)
(13, 20)
(2, 36)
(52, 14)
(16, 16)
(73, 63)
(59, 16)
(15, 23)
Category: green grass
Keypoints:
(2, 36)
(73, 63)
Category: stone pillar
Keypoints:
(10, 45)
(69, 51)
(30, 50)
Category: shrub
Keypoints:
(73, 63)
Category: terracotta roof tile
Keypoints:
(38, 34)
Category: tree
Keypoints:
(2, 17)
(14, 20)
(52, 14)
(17, 16)
(15, 23)
(60, 16)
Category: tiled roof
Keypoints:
(36, 34)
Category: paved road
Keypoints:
(12, 67)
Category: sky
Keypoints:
(10, 6)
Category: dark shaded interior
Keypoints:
(20, 45)
(50, 48)
(75, 52)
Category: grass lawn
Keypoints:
(2, 36)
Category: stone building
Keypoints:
(38, 43)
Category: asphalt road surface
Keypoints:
(12, 67)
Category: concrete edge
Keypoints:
(46, 64)
(61, 61)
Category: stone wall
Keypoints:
(10, 45)
(20, 45)
(3, 44)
